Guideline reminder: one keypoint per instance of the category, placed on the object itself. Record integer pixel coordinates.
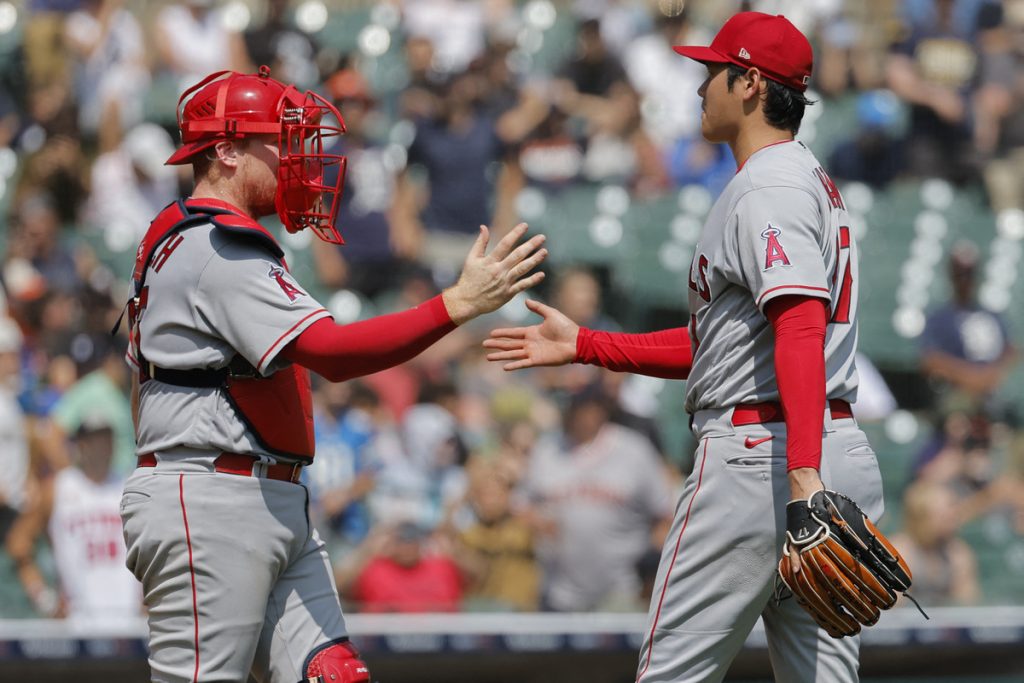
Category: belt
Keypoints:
(771, 411)
(241, 464)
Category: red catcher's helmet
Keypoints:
(229, 106)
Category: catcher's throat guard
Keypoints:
(849, 571)
(231, 106)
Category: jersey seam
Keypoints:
(732, 208)
(761, 299)
(295, 329)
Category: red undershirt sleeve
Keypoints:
(341, 352)
(665, 353)
(799, 324)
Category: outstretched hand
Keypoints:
(552, 342)
(489, 281)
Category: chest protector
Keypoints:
(278, 410)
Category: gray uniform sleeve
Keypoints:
(777, 234)
(253, 303)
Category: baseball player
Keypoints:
(769, 359)
(234, 577)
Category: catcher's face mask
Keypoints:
(228, 105)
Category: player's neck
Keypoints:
(207, 188)
(754, 137)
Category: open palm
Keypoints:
(552, 342)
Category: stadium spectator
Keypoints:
(395, 571)
(1004, 173)
(851, 54)
(424, 475)
(101, 390)
(457, 29)
(192, 41)
(602, 491)
(965, 347)
(495, 551)
(368, 263)
(13, 430)
(78, 510)
(960, 457)
(460, 157)
(935, 66)
(130, 184)
(290, 52)
(945, 568)
(874, 154)
(345, 468)
(111, 76)
(37, 240)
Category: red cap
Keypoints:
(769, 43)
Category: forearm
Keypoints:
(799, 326)
(342, 352)
(665, 353)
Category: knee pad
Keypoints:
(335, 662)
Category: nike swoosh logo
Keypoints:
(750, 443)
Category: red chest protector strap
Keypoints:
(278, 409)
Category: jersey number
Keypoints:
(841, 312)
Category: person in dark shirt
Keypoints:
(460, 157)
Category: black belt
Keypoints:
(205, 378)
(202, 378)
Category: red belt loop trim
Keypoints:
(771, 411)
(242, 465)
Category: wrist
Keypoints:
(459, 306)
(803, 482)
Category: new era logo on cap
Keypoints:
(783, 53)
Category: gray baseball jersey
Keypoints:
(212, 296)
(780, 227)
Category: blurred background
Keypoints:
(448, 486)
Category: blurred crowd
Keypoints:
(446, 484)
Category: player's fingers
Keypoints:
(529, 264)
(539, 308)
(517, 365)
(523, 250)
(508, 355)
(506, 243)
(504, 344)
(480, 246)
(794, 560)
(526, 283)
(507, 332)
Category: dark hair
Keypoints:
(783, 106)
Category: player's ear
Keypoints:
(752, 83)
(226, 152)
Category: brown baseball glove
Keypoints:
(849, 569)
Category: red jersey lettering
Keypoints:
(165, 253)
(841, 311)
(703, 289)
(834, 198)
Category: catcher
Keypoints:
(234, 577)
